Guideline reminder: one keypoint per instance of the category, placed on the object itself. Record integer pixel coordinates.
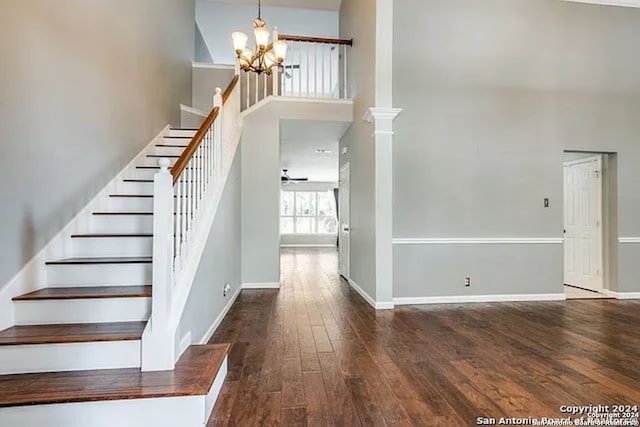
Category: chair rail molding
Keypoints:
(629, 239)
(478, 241)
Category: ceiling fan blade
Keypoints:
(299, 179)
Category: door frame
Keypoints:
(344, 250)
(600, 202)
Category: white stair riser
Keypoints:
(85, 247)
(185, 133)
(137, 204)
(18, 359)
(182, 411)
(167, 151)
(98, 274)
(99, 310)
(122, 224)
(135, 187)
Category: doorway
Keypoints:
(587, 223)
(344, 217)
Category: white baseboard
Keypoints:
(265, 285)
(212, 329)
(382, 305)
(479, 298)
(622, 295)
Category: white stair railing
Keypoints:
(184, 201)
(314, 68)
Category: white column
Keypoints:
(382, 118)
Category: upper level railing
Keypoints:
(183, 206)
(315, 67)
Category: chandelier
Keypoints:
(266, 56)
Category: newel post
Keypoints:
(158, 341)
(275, 86)
(217, 133)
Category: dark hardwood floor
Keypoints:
(315, 353)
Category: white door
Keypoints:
(344, 201)
(583, 223)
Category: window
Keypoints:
(308, 212)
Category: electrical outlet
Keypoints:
(467, 282)
(227, 289)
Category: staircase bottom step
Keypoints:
(124, 397)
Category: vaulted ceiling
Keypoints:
(306, 4)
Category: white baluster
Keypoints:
(331, 48)
(346, 85)
(217, 135)
(275, 74)
(322, 52)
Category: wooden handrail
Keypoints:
(191, 149)
(187, 154)
(229, 90)
(348, 42)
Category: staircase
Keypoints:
(77, 355)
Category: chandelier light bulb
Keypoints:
(239, 41)
(262, 37)
(280, 50)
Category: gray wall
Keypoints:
(220, 263)
(202, 53)
(358, 21)
(499, 89)
(85, 85)
(205, 81)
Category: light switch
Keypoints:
(546, 202)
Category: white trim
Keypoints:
(213, 66)
(620, 3)
(212, 329)
(264, 285)
(457, 299)
(192, 110)
(629, 239)
(383, 305)
(622, 295)
(479, 241)
(381, 113)
(317, 245)
(32, 276)
(293, 99)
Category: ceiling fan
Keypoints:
(286, 179)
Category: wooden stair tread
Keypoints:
(178, 137)
(171, 145)
(101, 260)
(88, 292)
(138, 180)
(123, 213)
(145, 196)
(193, 376)
(160, 156)
(71, 333)
(106, 235)
(192, 129)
